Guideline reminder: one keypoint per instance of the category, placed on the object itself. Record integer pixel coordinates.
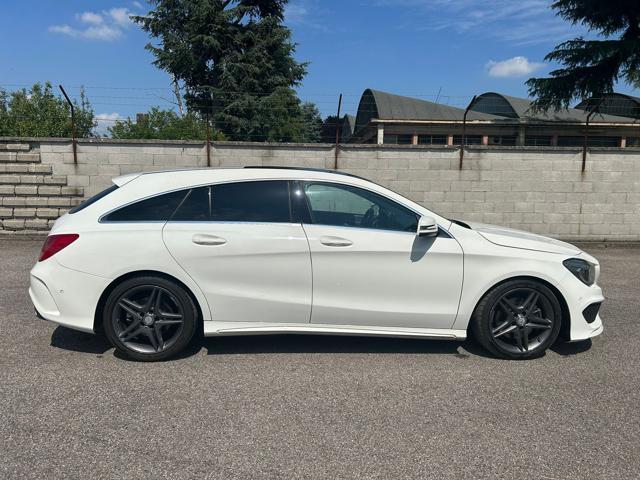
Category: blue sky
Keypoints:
(445, 49)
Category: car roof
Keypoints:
(147, 184)
(196, 176)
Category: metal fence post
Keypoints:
(74, 141)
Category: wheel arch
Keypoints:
(565, 323)
(97, 317)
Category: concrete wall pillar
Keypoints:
(485, 140)
(414, 140)
(380, 134)
(520, 141)
(623, 142)
(450, 140)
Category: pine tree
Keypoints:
(235, 59)
(590, 68)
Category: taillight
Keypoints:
(54, 243)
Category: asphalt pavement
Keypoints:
(315, 406)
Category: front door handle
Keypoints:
(202, 239)
(335, 241)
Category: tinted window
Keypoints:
(299, 207)
(344, 205)
(94, 199)
(266, 201)
(154, 209)
(195, 208)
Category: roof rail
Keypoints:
(305, 169)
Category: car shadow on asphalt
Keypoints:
(76, 341)
(299, 343)
(567, 349)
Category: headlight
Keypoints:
(583, 270)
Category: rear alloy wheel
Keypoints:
(149, 318)
(518, 319)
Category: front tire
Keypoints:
(149, 318)
(518, 319)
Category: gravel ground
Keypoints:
(318, 407)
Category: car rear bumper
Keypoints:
(65, 296)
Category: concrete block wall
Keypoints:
(31, 196)
(539, 189)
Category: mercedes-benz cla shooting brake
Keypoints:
(158, 257)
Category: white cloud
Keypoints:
(296, 13)
(90, 17)
(104, 121)
(138, 5)
(98, 32)
(108, 25)
(520, 22)
(120, 16)
(513, 67)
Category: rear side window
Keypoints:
(94, 199)
(260, 201)
(196, 207)
(154, 209)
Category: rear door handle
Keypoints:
(335, 241)
(203, 239)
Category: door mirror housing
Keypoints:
(427, 227)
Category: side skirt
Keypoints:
(214, 329)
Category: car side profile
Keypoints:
(159, 256)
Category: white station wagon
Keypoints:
(158, 256)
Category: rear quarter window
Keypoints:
(155, 209)
(94, 199)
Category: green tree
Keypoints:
(235, 60)
(163, 125)
(592, 67)
(38, 112)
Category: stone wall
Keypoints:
(540, 189)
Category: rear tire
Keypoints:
(149, 318)
(518, 319)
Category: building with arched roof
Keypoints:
(491, 119)
(614, 104)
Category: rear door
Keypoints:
(237, 241)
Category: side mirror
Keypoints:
(427, 227)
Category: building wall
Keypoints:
(537, 189)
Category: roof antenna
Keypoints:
(438, 96)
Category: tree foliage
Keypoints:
(235, 60)
(163, 125)
(590, 68)
(38, 112)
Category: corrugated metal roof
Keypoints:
(515, 107)
(397, 107)
(619, 104)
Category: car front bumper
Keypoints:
(579, 297)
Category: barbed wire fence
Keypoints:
(141, 99)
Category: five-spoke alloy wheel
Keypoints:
(149, 318)
(518, 319)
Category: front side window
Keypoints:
(154, 209)
(259, 201)
(348, 206)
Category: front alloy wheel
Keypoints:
(149, 318)
(518, 319)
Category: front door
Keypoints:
(237, 241)
(370, 268)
